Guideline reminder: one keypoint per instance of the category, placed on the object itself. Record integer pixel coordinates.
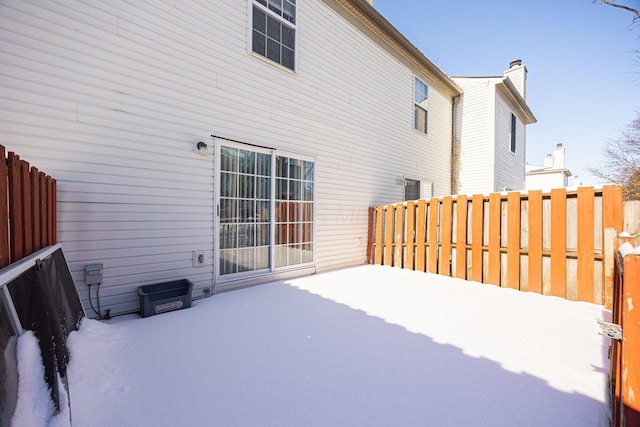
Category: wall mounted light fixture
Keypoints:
(201, 148)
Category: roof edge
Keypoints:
(507, 88)
(368, 15)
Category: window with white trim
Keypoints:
(274, 30)
(420, 105)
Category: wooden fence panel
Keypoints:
(519, 240)
(631, 341)
(27, 209)
(624, 354)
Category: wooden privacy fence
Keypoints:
(27, 209)
(546, 242)
(624, 352)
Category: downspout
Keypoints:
(455, 148)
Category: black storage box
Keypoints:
(163, 297)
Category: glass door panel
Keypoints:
(245, 190)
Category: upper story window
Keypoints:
(420, 100)
(274, 29)
(513, 133)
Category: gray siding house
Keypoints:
(228, 142)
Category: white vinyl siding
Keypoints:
(110, 98)
(474, 135)
(509, 166)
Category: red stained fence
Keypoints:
(27, 209)
(551, 243)
(624, 354)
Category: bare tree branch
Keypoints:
(621, 161)
(621, 6)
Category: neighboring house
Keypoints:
(490, 133)
(553, 174)
(308, 111)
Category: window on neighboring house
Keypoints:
(411, 189)
(420, 100)
(274, 30)
(513, 133)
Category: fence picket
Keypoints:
(534, 279)
(446, 220)
(15, 215)
(398, 234)
(495, 215)
(513, 240)
(558, 242)
(388, 234)
(612, 217)
(586, 245)
(5, 248)
(434, 205)
(409, 234)
(378, 238)
(421, 227)
(477, 206)
(461, 237)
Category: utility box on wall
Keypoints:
(163, 297)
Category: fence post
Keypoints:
(631, 341)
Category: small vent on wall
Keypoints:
(199, 258)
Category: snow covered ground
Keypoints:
(367, 346)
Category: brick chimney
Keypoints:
(517, 73)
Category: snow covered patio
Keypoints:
(367, 346)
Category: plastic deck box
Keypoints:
(163, 297)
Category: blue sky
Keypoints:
(584, 73)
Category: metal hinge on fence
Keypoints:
(610, 330)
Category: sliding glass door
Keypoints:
(265, 210)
